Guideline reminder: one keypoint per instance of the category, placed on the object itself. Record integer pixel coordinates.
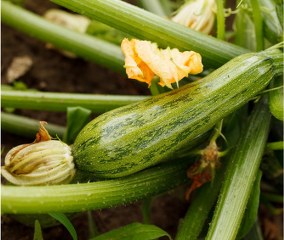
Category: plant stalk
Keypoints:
(240, 176)
(145, 25)
(220, 20)
(27, 127)
(95, 195)
(51, 101)
(258, 25)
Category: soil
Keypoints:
(52, 71)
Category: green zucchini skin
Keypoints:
(134, 137)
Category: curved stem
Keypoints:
(95, 195)
(258, 25)
(27, 127)
(220, 20)
(275, 145)
(51, 101)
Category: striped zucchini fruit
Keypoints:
(134, 137)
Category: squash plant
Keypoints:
(141, 146)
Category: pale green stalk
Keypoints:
(258, 24)
(145, 25)
(52, 101)
(240, 176)
(95, 195)
(27, 127)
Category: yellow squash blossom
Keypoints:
(144, 60)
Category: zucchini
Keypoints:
(134, 137)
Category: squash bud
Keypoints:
(43, 162)
(198, 15)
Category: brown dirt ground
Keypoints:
(51, 71)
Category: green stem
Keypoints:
(87, 47)
(95, 195)
(146, 210)
(93, 230)
(220, 20)
(217, 131)
(241, 173)
(27, 127)
(258, 24)
(145, 25)
(275, 145)
(244, 28)
(51, 101)
(154, 7)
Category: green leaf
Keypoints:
(61, 217)
(37, 231)
(77, 117)
(250, 216)
(135, 231)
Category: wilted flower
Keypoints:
(74, 22)
(198, 15)
(144, 60)
(43, 162)
(71, 21)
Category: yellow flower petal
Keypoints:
(144, 59)
(135, 68)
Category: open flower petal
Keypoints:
(144, 60)
(135, 67)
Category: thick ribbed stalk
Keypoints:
(51, 101)
(240, 176)
(27, 127)
(96, 195)
(88, 47)
(142, 24)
